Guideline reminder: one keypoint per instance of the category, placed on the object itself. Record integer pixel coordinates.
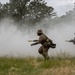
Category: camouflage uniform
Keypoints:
(45, 42)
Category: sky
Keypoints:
(60, 6)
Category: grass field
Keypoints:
(37, 66)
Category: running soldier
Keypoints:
(45, 42)
(72, 40)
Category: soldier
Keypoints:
(72, 40)
(45, 42)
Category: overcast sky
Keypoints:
(60, 6)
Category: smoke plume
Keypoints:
(14, 41)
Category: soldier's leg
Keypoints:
(40, 50)
(44, 52)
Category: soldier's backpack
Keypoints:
(50, 43)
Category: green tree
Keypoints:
(30, 11)
(39, 10)
(18, 8)
(4, 10)
(1, 6)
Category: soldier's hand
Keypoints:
(31, 44)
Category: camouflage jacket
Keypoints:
(43, 40)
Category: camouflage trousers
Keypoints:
(44, 51)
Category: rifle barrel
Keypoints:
(30, 40)
(66, 40)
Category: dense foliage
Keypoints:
(31, 11)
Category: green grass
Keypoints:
(36, 66)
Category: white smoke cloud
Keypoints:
(59, 35)
(14, 41)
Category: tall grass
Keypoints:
(37, 66)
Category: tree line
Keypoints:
(29, 11)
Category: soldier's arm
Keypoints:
(37, 41)
(34, 43)
(68, 40)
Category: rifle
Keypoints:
(32, 40)
(67, 40)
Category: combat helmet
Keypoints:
(39, 32)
